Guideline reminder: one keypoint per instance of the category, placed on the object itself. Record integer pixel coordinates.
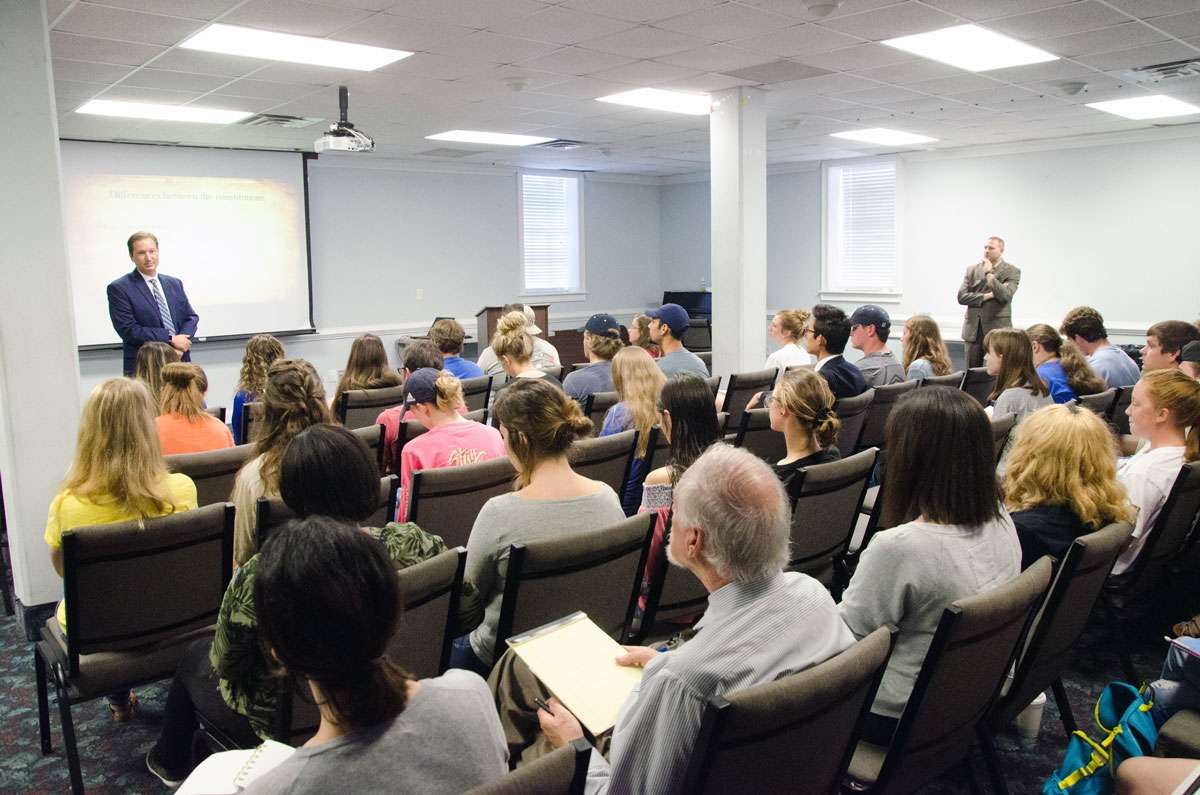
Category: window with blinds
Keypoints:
(550, 233)
(861, 252)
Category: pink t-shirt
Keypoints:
(448, 445)
(390, 419)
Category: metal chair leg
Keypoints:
(68, 732)
(991, 761)
(1064, 707)
(43, 702)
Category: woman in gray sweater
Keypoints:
(945, 543)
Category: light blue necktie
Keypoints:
(163, 312)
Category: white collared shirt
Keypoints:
(821, 362)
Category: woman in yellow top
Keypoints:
(118, 474)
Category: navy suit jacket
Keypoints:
(134, 313)
(844, 379)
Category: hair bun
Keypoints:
(580, 425)
(510, 323)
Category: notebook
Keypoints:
(230, 772)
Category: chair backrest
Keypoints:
(477, 392)
(145, 582)
(953, 380)
(966, 663)
(252, 421)
(1100, 403)
(213, 471)
(446, 501)
(674, 591)
(877, 413)
(699, 335)
(1051, 640)
(605, 458)
(706, 357)
(358, 408)
(714, 382)
(755, 435)
(978, 384)
(563, 771)
(555, 371)
(852, 411)
(373, 436)
(754, 740)
(272, 513)
(478, 415)
(825, 513)
(597, 571)
(216, 411)
(405, 433)
(429, 597)
(1001, 430)
(742, 387)
(1116, 415)
(1169, 534)
(596, 405)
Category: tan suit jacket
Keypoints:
(996, 312)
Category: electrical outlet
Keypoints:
(420, 293)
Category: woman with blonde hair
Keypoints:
(1019, 389)
(117, 474)
(513, 345)
(261, 352)
(151, 359)
(801, 408)
(787, 330)
(638, 382)
(925, 354)
(183, 425)
(1061, 480)
(367, 368)
(435, 399)
(293, 399)
(639, 335)
(538, 423)
(1059, 363)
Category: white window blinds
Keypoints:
(860, 237)
(550, 233)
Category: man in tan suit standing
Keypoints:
(987, 292)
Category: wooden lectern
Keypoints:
(487, 317)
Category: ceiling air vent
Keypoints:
(561, 144)
(280, 120)
(1172, 70)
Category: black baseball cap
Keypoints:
(422, 386)
(871, 315)
(602, 324)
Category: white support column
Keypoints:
(39, 365)
(738, 144)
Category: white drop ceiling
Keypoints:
(536, 66)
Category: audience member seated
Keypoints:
(601, 341)
(950, 537)
(1189, 359)
(870, 326)
(1066, 373)
(1164, 343)
(380, 729)
(183, 425)
(825, 338)
(786, 331)
(151, 359)
(1165, 405)
(638, 384)
(730, 530)
(261, 352)
(418, 355)
(689, 421)
(925, 354)
(538, 423)
(367, 368)
(515, 347)
(668, 326)
(1019, 390)
(1061, 481)
(801, 408)
(293, 400)
(639, 335)
(447, 336)
(544, 354)
(117, 474)
(451, 439)
(229, 678)
(1084, 326)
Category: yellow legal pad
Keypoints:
(576, 661)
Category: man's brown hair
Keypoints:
(1172, 335)
(136, 236)
(448, 335)
(1086, 322)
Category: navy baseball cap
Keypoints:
(602, 324)
(674, 316)
(422, 386)
(871, 315)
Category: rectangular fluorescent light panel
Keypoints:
(884, 137)
(1157, 106)
(254, 43)
(971, 47)
(146, 110)
(660, 99)
(490, 138)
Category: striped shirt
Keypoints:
(751, 633)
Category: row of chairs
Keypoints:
(1110, 405)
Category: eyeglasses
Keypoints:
(806, 331)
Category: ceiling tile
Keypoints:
(192, 9)
(645, 73)
(174, 81)
(953, 85)
(1060, 21)
(639, 10)
(1123, 36)
(294, 16)
(881, 95)
(70, 89)
(208, 63)
(1140, 56)
(441, 67)
(585, 88)
(261, 89)
(470, 13)
(89, 48)
(560, 25)
(892, 21)
(85, 72)
(644, 42)
(799, 10)
(279, 72)
(401, 33)
(716, 58)
(833, 84)
(54, 9)
(862, 56)
(910, 72)
(102, 22)
(574, 61)
(777, 72)
(1050, 70)
(1180, 25)
(797, 40)
(707, 82)
(127, 93)
(1145, 9)
(724, 22)
(492, 47)
(978, 10)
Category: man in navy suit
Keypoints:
(825, 336)
(146, 306)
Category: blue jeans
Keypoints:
(464, 657)
(1179, 686)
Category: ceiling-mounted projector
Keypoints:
(342, 137)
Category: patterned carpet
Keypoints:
(112, 754)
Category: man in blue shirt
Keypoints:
(1084, 326)
(447, 335)
(601, 341)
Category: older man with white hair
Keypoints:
(730, 529)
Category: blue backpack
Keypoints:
(1123, 714)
